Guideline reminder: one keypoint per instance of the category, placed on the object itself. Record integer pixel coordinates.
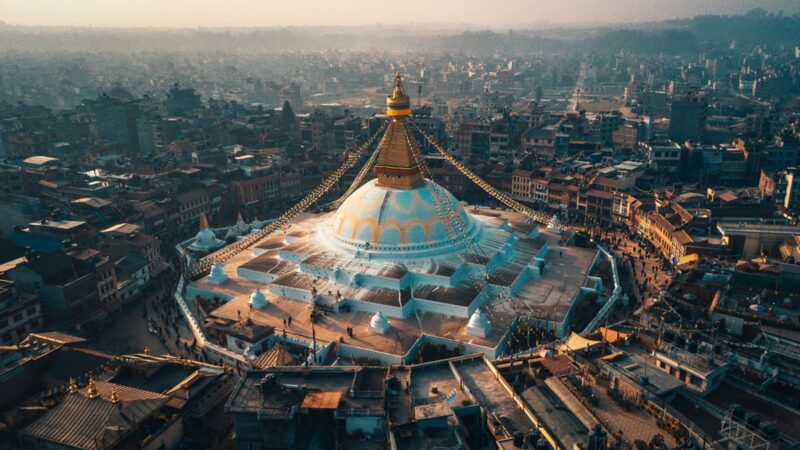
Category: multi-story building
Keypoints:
(687, 118)
(20, 314)
(181, 101)
(628, 135)
(624, 209)
(67, 286)
(473, 139)
(547, 141)
(117, 121)
(664, 156)
(258, 194)
(197, 201)
(664, 228)
(124, 238)
(522, 185)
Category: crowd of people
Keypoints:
(651, 273)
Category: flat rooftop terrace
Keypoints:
(285, 258)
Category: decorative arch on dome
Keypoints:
(397, 223)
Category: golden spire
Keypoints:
(73, 385)
(91, 391)
(398, 103)
(399, 160)
(146, 348)
(203, 221)
(114, 396)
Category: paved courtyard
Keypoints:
(129, 333)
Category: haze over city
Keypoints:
(408, 225)
(255, 13)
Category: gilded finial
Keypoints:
(203, 221)
(398, 103)
(146, 350)
(91, 392)
(114, 396)
(73, 385)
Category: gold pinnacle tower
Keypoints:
(399, 161)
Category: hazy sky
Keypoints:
(488, 13)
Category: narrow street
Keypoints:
(651, 272)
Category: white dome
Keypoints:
(379, 324)
(478, 324)
(205, 239)
(258, 300)
(399, 223)
(217, 275)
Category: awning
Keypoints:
(688, 261)
(576, 342)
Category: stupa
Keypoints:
(217, 275)
(554, 226)
(403, 260)
(205, 240)
(478, 324)
(379, 324)
(257, 299)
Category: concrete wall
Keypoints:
(256, 276)
(389, 311)
(194, 291)
(440, 308)
(466, 347)
(302, 295)
(294, 257)
(349, 351)
(376, 281)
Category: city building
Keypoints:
(687, 119)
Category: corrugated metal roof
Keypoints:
(96, 423)
(276, 356)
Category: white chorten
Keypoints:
(478, 324)
(240, 229)
(379, 324)
(217, 275)
(554, 225)
(257, 299)
(205, 240)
